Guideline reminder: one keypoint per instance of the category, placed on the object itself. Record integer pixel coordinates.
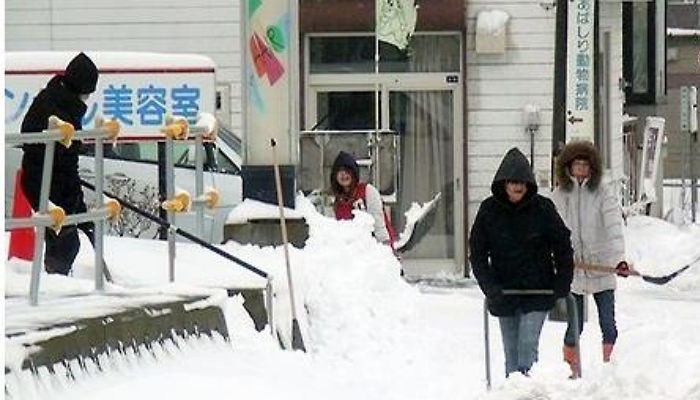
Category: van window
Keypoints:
(147, 152)
(225, 164)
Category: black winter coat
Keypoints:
(519, 246)
(56, 99)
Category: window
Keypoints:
(643, 73)
(355, 54)
(183, 154)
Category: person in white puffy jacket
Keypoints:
(592, 212)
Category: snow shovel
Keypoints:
(413, 233)
(657, 280)
(297, 340)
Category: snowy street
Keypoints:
(336, 185)
(371, 335)
(437, 354)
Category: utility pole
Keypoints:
(689, 128)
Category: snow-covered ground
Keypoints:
(370, 335)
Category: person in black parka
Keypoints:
(519, 242)
(64, 97)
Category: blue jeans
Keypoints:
(521, 337)
(605, 302)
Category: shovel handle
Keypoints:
(604, 268)
(531, 292)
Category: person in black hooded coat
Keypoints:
(519, 242)
(64, 97)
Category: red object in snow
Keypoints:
(21, 239)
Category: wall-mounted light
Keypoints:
(531, 121)
(548, 5)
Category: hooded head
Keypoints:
(344, 161)
(580, 150)
(514, 168)
(81, 75)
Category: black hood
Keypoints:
(57, 96)
(346, 161)
(514, 167)
(81, 75)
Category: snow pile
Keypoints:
(18, 275)
(251, 209)
(147, 264)
(657, 247)
(353, 290)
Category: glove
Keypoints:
(622, 269)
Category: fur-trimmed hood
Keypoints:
(579, 150)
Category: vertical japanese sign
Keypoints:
(267, 79)
(580, 71)
(651, 155)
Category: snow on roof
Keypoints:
(682, 32)
(57, 60)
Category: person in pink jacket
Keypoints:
(592, 212)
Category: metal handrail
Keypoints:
(200, 134)
(572, 317)
(45, 220)
(49, 137)
(53, 135)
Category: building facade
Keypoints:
(455, 109)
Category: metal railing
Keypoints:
(179, 129)
(63, 133)
(55, 217)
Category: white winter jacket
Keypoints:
(375, 207)
(595, 220)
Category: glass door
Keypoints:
(430, 158)
(425, 122)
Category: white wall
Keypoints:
(499, 86)
(208, 27)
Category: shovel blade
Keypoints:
(297, 340)
(662, 280)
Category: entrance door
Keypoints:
(428, 121)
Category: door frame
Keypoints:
(405, 82)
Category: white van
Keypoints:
(139, 90)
